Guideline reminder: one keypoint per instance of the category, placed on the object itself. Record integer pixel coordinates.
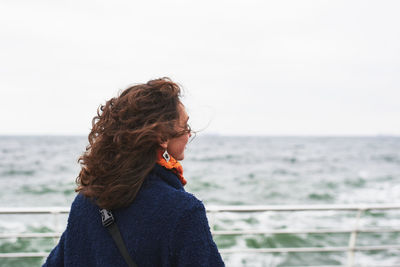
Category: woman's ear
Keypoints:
(164, 145)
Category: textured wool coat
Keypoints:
(164, 226)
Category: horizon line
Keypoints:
(212, 134)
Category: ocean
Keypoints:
(40, 171)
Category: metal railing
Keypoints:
(353, 231)
(214, 210)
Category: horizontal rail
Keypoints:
(240, 250)
(34, 210)
(302, 207)
(230, 232)
(30, 235)
(25, 255)
(397, 265)
(214, 208)
(303, 231)
(307, 249)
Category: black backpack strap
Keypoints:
(108, 222)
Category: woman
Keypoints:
(131, 168)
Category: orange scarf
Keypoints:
(172, 165)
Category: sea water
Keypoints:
(41, 170)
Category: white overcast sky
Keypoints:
(247, 67)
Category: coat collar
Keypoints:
(167, 176)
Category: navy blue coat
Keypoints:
(164, 226)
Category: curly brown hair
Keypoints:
(123, 143)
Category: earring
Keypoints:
(166, 156)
